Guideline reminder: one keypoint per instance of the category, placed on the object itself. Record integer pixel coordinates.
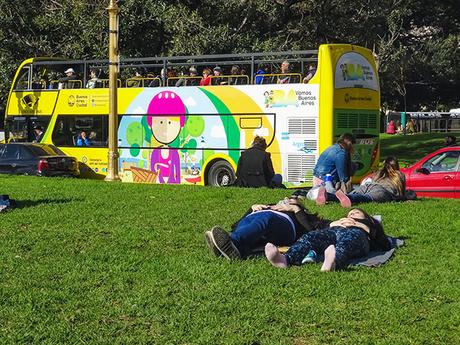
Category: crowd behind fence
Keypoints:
(421, 122)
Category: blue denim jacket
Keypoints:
(334, 161)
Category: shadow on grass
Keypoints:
(18, 204)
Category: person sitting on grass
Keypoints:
(281, 224)
(255, 167)
(344, 239)
(336, 161)
(388, 184)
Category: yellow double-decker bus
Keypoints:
(183, 128)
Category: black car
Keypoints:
(36, 159)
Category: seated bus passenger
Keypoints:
(82, 139)
(236, 78)
(217, 78)
(94, 81)
(66, 82)
(284, 70)
(92, 138)
(152, 80)
(188, 80)
(259, 76)
(38, 131)
(206, 80)
(311, 72)
(137, 80)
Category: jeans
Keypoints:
(259, 228)
(349, 243)
(354, 198)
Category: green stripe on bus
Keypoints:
(231, 128)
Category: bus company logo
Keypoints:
(29, 100)
(348, 98)
(279, 98)
(356, 71)
(351, 72)
(71, 101)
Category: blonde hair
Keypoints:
(391, 172)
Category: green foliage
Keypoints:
(85, 261)
(416, 42)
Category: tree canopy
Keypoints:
(417, 42)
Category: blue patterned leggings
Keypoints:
(349, 243)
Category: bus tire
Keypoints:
(220, 174)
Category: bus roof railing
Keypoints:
(302, 55)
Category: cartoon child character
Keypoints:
(343, 67)
(167, 117)
(267, 99)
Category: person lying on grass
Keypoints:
(388, 184)
(281, 224)
(344, 239)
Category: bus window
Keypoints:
(69, 127)
(21, 128)
(22, 82)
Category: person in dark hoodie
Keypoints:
(282, 223)
(255, 168)
(345, 239)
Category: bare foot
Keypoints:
(329, 259)
(321, 198)
(343, 198)
(274, 256)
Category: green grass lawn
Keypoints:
(410, 148)
(89, 262)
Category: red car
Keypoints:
(436, 175)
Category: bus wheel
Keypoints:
(221, 174)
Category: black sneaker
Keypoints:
(212, 248)
(223, 243)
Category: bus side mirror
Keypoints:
(423, 171)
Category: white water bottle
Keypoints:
(328, 184)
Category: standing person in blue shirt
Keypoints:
(335, 160)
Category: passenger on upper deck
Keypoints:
(190, 80)
(217, 78)
(234, 79)
(137, 80)
(66, 82)
(40, 80)
(206, 80)
(94, 81)
(193, 80)
(284, 70)
(259, 76)
(310, 74)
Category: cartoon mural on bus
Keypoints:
(170, 136)
(165, 129)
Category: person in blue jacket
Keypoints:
(82, 139)
(335, 160)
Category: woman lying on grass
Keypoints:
(345, 239)
(281, 224)
(388, 184)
